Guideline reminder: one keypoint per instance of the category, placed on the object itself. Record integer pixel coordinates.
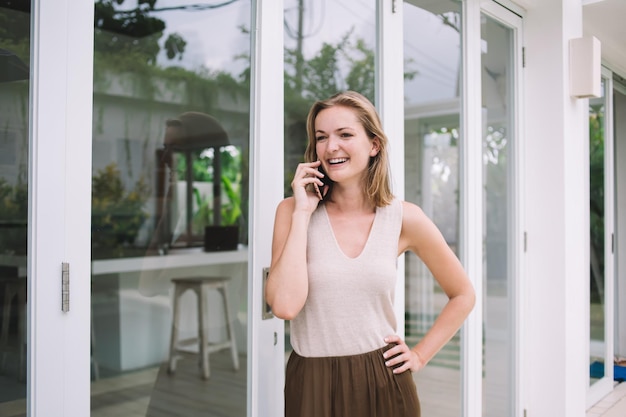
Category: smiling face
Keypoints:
(342, 144)
(355, 147)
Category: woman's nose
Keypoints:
(333, 143)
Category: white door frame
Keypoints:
(390, 105)
(390, 102)
(471, 206)
(59, 207)
(510, 16)
(266, 341)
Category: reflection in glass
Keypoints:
(432, 119)
(596, 223)
(14, 153)
(327, 50)
(170, 173)
(498, 280)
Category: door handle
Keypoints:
(267, 310)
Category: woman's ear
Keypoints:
(375, 147)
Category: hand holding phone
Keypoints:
(326, 187)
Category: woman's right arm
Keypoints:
(288, 284)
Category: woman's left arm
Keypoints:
(420, 236)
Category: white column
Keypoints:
(390, 105)
(557, 216)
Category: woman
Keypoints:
(333, 270)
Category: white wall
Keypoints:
(557, 217)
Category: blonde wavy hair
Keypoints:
(377, 187)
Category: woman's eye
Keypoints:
(318, 138)
(346, 135)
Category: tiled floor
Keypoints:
(613, 405)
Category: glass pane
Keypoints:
(169, 208)
(596, 223)
(499, 302)
(328, 48)
(14, 151)
(432, 72)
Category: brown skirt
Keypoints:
(348, 386)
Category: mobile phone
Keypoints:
(327, 182)
(325, 179)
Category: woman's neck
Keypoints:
(350, 200)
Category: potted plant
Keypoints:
(225, 236)
(117, 213)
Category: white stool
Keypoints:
(14, 288)
(201, 286)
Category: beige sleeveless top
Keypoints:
(349, 309)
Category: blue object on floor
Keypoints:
(596, 370)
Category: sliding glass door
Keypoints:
(500, 197)
(445, 160)
(602, 242)
(432, 133)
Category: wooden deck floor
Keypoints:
(152, 392)
(156, 393)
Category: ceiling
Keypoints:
(606, 20)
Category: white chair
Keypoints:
(200, 286)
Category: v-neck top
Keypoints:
(349, 308)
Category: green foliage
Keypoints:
(361, 76)
(320, 76)
(202, 171)
(127, 32)
(596, 190)
(346, 64)
(203, 213)
(117, 213)
(231, 211)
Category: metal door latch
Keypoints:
(65, 287)
(267, 310)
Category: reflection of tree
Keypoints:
(15, 28)
(140, 30)
(345, 65)
(335, 67)
(596, 201)
(133, 32)
(128, 41)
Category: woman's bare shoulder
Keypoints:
(285, 208)
(286, 204)
(418, 230)
(412, 212)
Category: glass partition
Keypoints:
(597, 328)
(15, 23)
(432, 73)
(169, 208)
(498, 210)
